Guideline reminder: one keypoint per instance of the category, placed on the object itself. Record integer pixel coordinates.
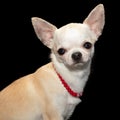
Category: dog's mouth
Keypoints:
(74, 64)
(78, 65)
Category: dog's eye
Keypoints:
(61, 51)
(87, 45)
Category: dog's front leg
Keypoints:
(49, 112)
(52, 117)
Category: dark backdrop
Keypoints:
(22, 53)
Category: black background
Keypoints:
(22, 53)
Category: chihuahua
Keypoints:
(53, 91)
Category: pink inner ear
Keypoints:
(95, 20)
(95, 27)
(48, 35)
(44, 30)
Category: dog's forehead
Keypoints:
(72, 27)
(73, 31)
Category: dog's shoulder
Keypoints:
(45, 72)
(45, 68)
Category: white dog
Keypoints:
(53, 91)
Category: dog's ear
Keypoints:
(96, 20)
(44, 30)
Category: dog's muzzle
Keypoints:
(77, 57)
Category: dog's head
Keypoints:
(72, 44)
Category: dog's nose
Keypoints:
(76, 56)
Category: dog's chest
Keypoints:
(67, 106)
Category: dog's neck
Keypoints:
(76, 79)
